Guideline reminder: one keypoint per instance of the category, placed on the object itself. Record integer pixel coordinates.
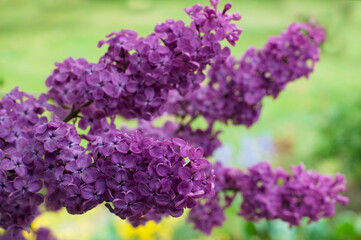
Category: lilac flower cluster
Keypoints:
(276, 194)
(69, 173)
(134, 76)
(151, 172)
(21, 164)
(146, 178)
(270, 194)
(236, 88)
(142, 177)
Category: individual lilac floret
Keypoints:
(236, 88)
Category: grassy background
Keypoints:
(35, 34)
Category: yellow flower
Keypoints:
(66, 226)
(151, 230)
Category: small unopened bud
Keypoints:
(227, 7)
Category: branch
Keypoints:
(74, 113)
(181, 128)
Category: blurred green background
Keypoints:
(317, 121)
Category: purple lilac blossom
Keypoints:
(21, 162)
(276, 194)
(152, 172)
(135, 75)
(151, 178)
(237, 87)
(138, 175)
(270, 194)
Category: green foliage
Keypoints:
(341, 136)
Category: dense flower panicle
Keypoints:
(21, 162)
(135, 75)
(138, 175)
(271, 194)
(146, 178)
(275, 194)
(69, 175)
(152, 172)
(236, 88)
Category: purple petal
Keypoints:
(90, 175)
(71, 167)
(122, 147)
(127, 212)
(141, 177)
(83, 161)
(110, 90)
(144, 189)
(156, 152)
(87, 191)
(200, 164)
(134, 147)
(130, 197)
(61, 131)
(185, 173)
(67, 179)
(184, 187)
(140, 99)
(117, 158)
(21, 171)
(130, 162)
(51, 145)
(4, 131)
(34, 185)
(137, 207)
(162, 170)
(72, 190)
(149, 93)
(100, 186)
(155, 185)
(176, 213)
(119, 203)
(191, 202)
(19, 183)
(162, 199)
(7, 165)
